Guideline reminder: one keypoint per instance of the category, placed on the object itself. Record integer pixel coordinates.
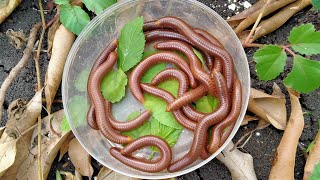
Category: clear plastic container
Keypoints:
(100, 32)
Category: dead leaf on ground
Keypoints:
(108, 174)
(80, 158)
(6, 8)
(1, 130)
(50, 145)
(65, 146)
(17, 38)
(69, 176)
(51, 32)
(17, 133)
(248, 118)
(239, 164)
(271, 108)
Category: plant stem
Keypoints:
(257, 22)
(245, 45)
(36, 59)
(286, 48)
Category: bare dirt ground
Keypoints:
(261, 146)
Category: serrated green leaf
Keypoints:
(78, 108)
(316, 172)
(154, 70)
(73, 18)
(305, 39)
(270, 62)
(158, 106)
(113, 85)
(97, 6)
(304, 76)
(310, 146)
(169, 134)
(316, 4)
(58, 175)
(207, 104)
(60, 2)
(81, 81)
(200, 56)
(131, 44)
(65, 125)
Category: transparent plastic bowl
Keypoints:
(100, 32)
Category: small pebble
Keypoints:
(258, 133)
(232, 7)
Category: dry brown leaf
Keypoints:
(108, 174)
(65, 146)
(62, 43)
(6, 8)
(69, 176)
(313, 158)
(16, 137)
(50, 145)
(1, 130)
(271, 108)
(239, 164)
(17, 38)
(51, 32)
(80, 158)
(284, 160)
(248, 118)
(78, 175)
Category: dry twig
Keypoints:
(22, 63)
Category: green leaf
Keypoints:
(270, 62)
(207, 104)
(304, 76)
(131, 44)
(65, 125)
(154, 70)
(169, 134)
(60, 2)
(316, 4)
(81, 81)
(113, 85)
(199, 55)
(310, 146)
(142, 130)
(73, 18)
(158, 106)
(97, 6)
(316, 172)
(305, 40)
(78, 108)
(58, 175)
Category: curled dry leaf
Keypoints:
(248, 118)
(270, 108)
(16, 136)
(65, 146)
(1, 130)
(17, 38)
(313, 158)
(69, 176)
(62, 43)
(284, 160)
(277, 20)
(80, 158)
(50, 145)
(239, 164)
(108, 174)
(51, 32)
(6, 8)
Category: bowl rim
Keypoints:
(75, 47)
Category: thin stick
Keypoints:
(22, 63)
(36, 59)
(257, 22)
(245, 45)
